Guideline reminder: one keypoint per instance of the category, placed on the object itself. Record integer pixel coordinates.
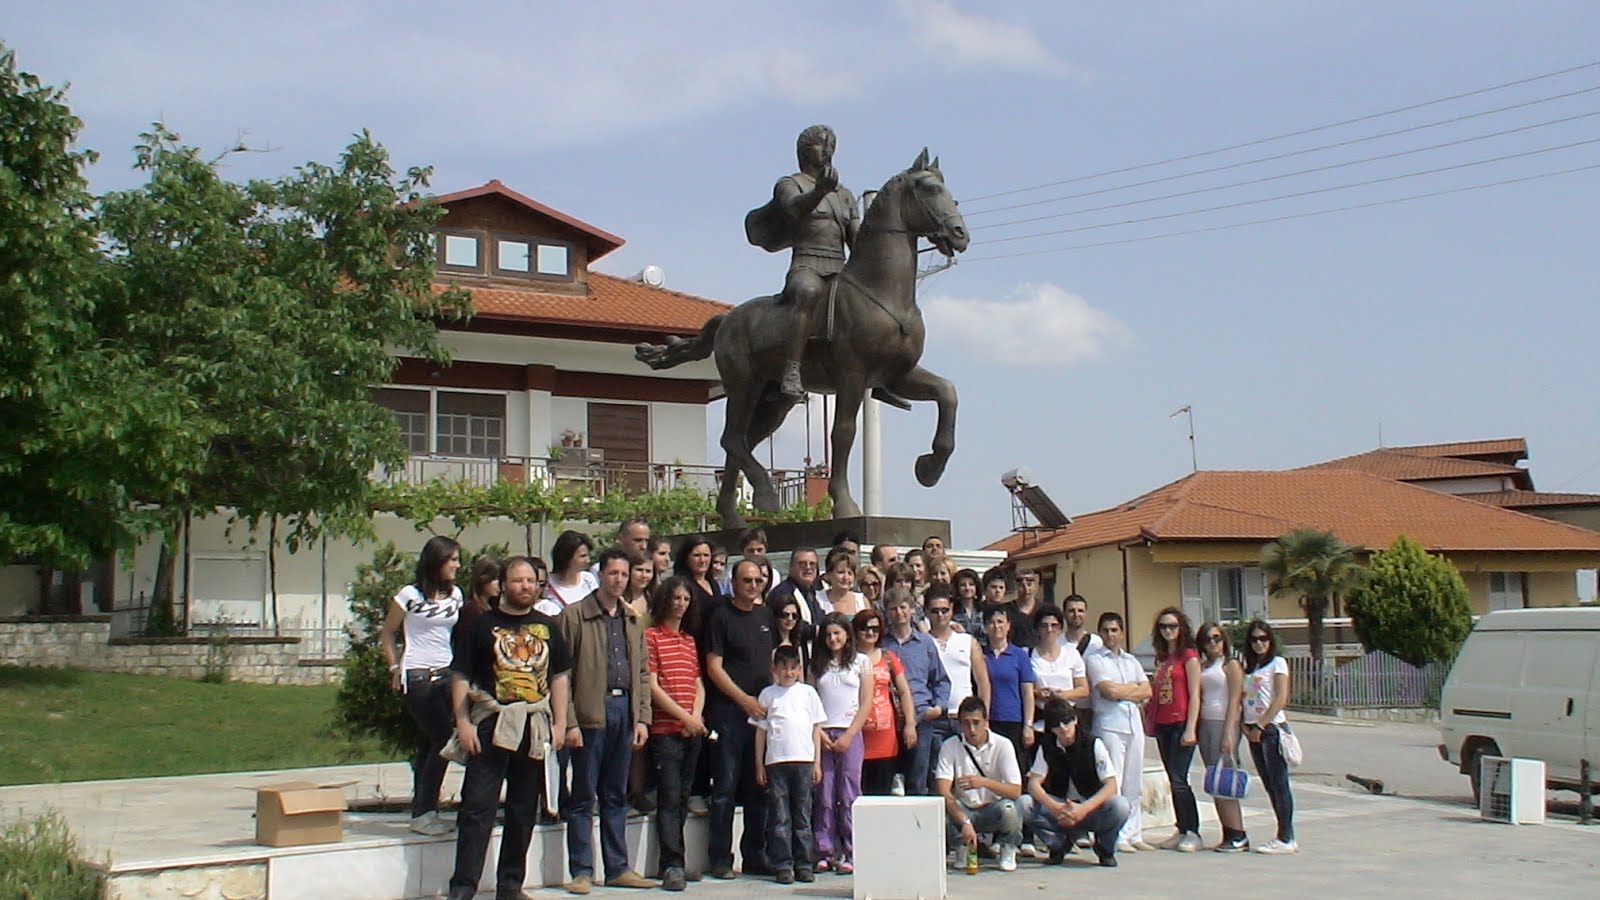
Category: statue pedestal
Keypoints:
(899, 531)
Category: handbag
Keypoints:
(1226, 780)
(1289, 746)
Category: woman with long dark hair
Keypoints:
(968, 615)
(570, 578)
(425, 611)
(792, 631)
(483, 588)
(693, 564)
(1174, 710)
(843, 678)
(677, 729)
(1221, 683)
(1265, 694)
(881, 749)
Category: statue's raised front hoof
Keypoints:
(930, 468)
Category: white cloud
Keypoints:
(797, 77)
(975, 40)
(1037, 326)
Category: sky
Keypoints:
(1467, 314)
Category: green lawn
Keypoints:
(68, 725)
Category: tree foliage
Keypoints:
(1317, 566)
(196, 343)
(1412, 604)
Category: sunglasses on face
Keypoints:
(756, 580)
(938, 610)
(1168, 626)
(870, 629)
(1260, 639)
(788, 614)
(1211, 639)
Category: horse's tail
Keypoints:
(677, 351)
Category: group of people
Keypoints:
(640, 667)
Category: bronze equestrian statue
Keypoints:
(867, 337)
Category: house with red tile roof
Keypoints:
(1196, 543)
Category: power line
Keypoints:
(1279, 177)
(1286, 218)
(1290, 134)
(1296, 194)
(1278, 156)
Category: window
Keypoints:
(1507, 590)
(410, 408)
(512, 256)
(470, 424)
(1222, 593)
(553, 260)
(461, 251)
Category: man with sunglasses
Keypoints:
(962, 658)
(930, 686)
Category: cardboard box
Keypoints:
(293, 813)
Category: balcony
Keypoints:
(588, 468)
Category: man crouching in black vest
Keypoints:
(1072, 787)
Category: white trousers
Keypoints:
(1127, 757)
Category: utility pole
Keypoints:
(1188, 411)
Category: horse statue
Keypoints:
(868, 338)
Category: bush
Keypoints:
(1412, 605)
(367, 706)
(39, 858)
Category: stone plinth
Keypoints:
(900, 531)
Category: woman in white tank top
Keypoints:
(1221, 680)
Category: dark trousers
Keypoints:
(789, 844)
(1012, 731)
(600, 771)
(1104, 823)
(674, 758)
(480, 796)
(930, 737)
(1274, 772)
(733, 782)
(428, 700)
(877, 776)
(1177, 758)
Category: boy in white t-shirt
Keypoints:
(978, 777)
(788, 763)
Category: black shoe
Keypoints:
(758, 868)
(1238, 842)
(694, 876)
(785, 876)
(722, 872)
(1057, 856)
(805, 874)
(1108, 860)
(462, 893)
(674, 879)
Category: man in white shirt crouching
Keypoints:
(978, 777)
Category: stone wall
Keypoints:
(85, 642)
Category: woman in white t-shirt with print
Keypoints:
(843, 678)
(1265, 694)
(570, 578)
(424, 612)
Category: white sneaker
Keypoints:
(1190, 842)
(1125, 847)
(431, 824)
(1027, 851)
(1008, 859)
(898, 787)
(1276, 846)
(1171, 843)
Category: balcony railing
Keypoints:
(600, 477)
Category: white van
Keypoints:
(1526, 684)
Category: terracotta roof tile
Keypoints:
(1523, 499)
(1362, 509)
(1401, 464)
(611, 302)
(1515, 447)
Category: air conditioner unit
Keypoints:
(1511, 791)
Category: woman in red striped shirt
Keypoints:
(677, 728)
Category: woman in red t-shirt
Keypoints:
(888, 675)
(1174, 711)
(677, 729)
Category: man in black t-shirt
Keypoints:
(739, 642)
(509, 666)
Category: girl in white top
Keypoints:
(424, 612)
(841, 578)
(1058, 669)
(1221, 682)
(843, 679)
(570, 578)
(1262, 700)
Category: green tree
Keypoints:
(1316, 566)
(1412, 604)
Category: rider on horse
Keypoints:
(814, 215)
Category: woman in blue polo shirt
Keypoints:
(1010, 684)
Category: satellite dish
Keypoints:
(651, 275)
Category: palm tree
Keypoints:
(1317, 566)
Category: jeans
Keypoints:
(1127, 757)
(1274, 772)
(600, 770)
(1104, 823)
(428, 699)
(480, 797)
(930, 735)
(836, 795)
(788, 815)
(1177, 759)
(674, 758)
(1002, 818)
(733, 780)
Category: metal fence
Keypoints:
(1376, 680)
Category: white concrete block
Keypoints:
(899, 848)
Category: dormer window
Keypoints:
(460, 251)
(505, 255)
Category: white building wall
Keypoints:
(568, 413)
(1480, 485)
(678, 433)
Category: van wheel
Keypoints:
(1474, 760)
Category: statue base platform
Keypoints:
(903, 532)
